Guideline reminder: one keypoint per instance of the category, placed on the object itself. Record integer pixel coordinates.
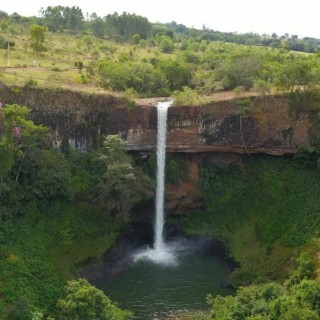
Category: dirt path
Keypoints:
(36, 68)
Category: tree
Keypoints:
(297, 73)
(3, 15)
(53, 18)
(84, 301)
(269, 301)
(142, 77)
(58, 18)
(4, 25)
(126, 25)
(136, 38)
(122, 185)
(15, 17)
(178, 73)
(37, 39)
(73, 17)
(44, 176)
(97, 25)
(31, 173)
(263, 88)
(239, 70)
(307, 292)
(15, 129)
(166, 44)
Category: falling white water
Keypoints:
(161, 162)
(161, 252)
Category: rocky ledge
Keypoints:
(250, 125)
(223, 127)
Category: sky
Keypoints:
(300, 18)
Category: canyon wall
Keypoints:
(224, 127)
(223, 131)
(80, 120)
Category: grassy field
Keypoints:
(56, 67)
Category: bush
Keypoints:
(240, 277)
(84, 301)
(269, 301)
(30, 83)
(19, 311)
(4, 43)
(166, 44)
(178, 74)
(176, 170)
(186, 97)
(141, 77)
(56, 69)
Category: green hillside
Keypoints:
(127, 54)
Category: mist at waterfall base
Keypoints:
(171, 276)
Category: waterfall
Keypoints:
(161, 251)
(162, 108)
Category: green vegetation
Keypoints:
(266, 210)
(185, 97)
(270, 301)
(84, 301)
(51, 219)
(122, 184)
(130, 26)
(296, 298)
(58, 18)
(59, 210)
(176, 168)
(122, 52)
(37, 38)
(40, 251)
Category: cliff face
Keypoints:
(268, 128)
(80, 120)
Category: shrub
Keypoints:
(84, 301)
(30, 83)
(166, 44)
(185, 97)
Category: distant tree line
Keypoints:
(122, 27)
(59, 18)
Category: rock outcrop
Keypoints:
(80, 120)
(220, 128)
